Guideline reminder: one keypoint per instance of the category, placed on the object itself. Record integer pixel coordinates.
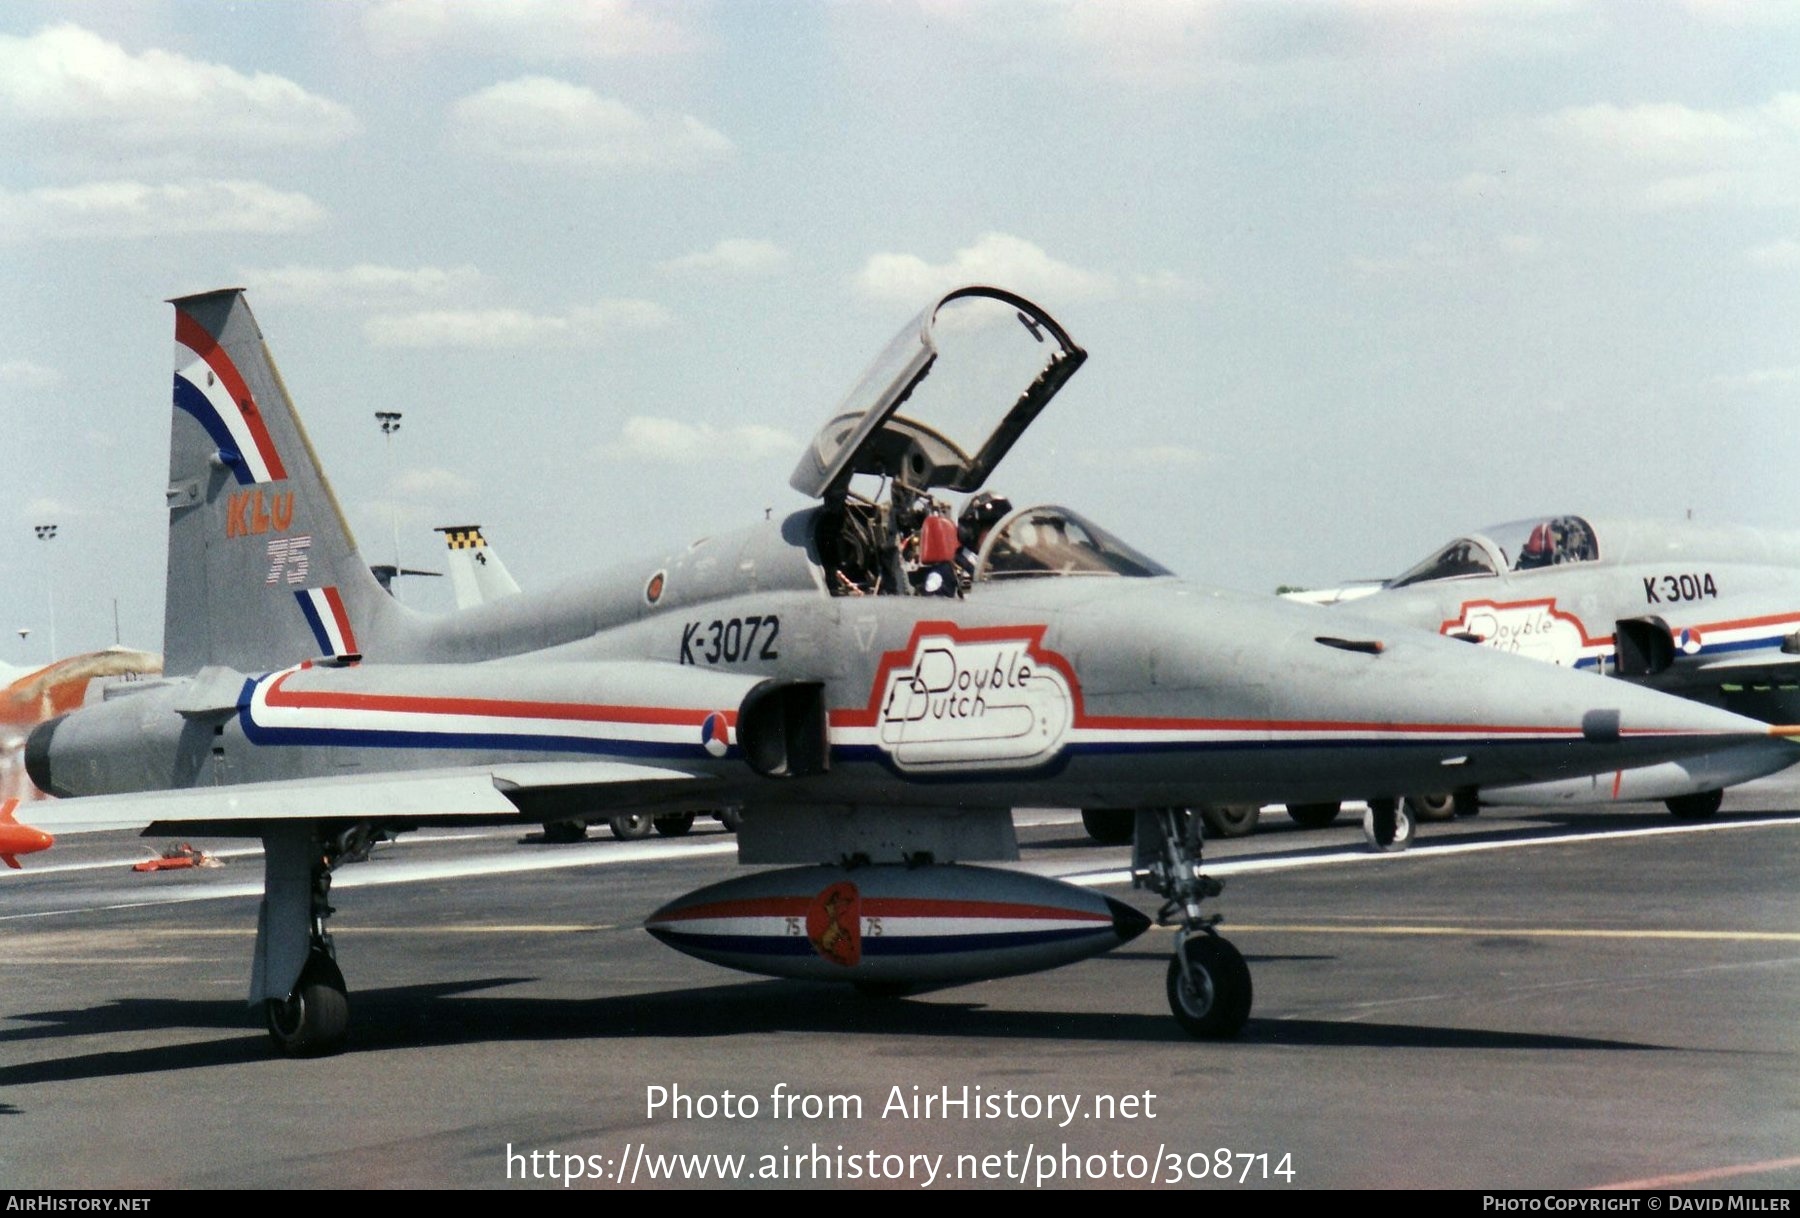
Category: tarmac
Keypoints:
(1569, 1000)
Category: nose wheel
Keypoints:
(1209, 986)
(1208, 982)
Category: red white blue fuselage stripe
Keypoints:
(271, 712)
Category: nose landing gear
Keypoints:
(1208, 982)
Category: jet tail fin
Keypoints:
(477, 575)
(263, 570)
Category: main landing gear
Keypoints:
(305, 1002)
(1389, 824)
(1208, 983)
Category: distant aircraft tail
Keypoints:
(477, 575)
(262, 568)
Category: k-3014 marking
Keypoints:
(730, 640)
(1677, 588)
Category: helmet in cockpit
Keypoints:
(1539, 549)
(981, 513)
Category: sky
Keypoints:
(1354, 277)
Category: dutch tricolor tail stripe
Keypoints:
(324, 610)
(209, 387)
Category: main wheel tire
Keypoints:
(563, 832)
(673, 824)
(1441, 806)
(1109, 826)
(731, 818)
(314, 1020)
(1695, 807)
(1313, 816)
(1215, 1004)
(630, 828)
(1388, 825)
(1230, 820)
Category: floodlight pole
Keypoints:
(390, 423)
(47, 532)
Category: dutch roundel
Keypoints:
(714, 734)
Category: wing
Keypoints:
(503, 793)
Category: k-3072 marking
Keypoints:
(730, 640)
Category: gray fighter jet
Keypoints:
(1709, 612)
(874, 731)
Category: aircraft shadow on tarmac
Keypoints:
(1500, 821)
(426, 1016)
(1163, 958)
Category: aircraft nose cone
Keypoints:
(1627, 712)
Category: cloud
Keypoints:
(732, 256)
(1162, 283)
(1785, 252)
(1652, 156)
(1166, 457)
(529, 29)
(75, 87)
(1761, 378)
(432, 481)
(126, 209)
(1436, 256)
(364, 284)
(1742, 12)
(499, 328)
(1247, 49)
(45, 509)
(648, 438)
(539, 121)
(23, 374)
(995, 258)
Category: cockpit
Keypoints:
(1050, 540)
(970, 373)
(1522, 545)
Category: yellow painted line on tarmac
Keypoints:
(108, 961)
(1702, 1176)
(1514, 932)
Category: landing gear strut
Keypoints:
(1208, 983)
(296, 978)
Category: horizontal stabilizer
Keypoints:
(214, 693)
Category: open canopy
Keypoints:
(972, 372)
